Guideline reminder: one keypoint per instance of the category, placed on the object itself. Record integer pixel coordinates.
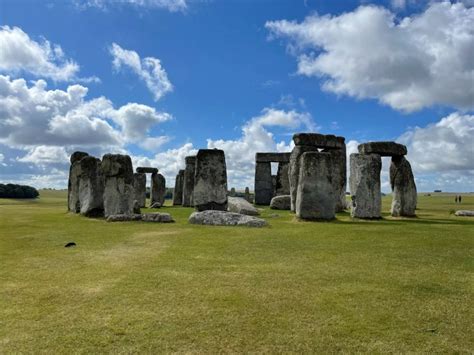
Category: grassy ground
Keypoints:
(395, 285)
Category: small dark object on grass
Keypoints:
(70, 244)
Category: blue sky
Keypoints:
(238, 75)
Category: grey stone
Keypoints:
(282, 202)
(76, 156)
(274, 183)
(232, 192)
(294, 169)
(240, 205)
(223, 218)
(157, 217)
(91, 187)
(139, 186)
(156, 205)
(188, 185)
(119, 192)
(315, 197)
(317, 140)
(464, 213)
(144, 170)
(404, 196)
(210, 180)
(178, 189)
(282, 184)
(263, 183)
(158, 189)
(382, 148)
(272, 157)
(339, 176)
(124, 217)
(247, 195)
(136, 207)
(364, 184)
(73, 201)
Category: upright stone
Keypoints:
(364, 184)
(158, 189)
(139, 186)
(119, 192)
(403, 186)
(91, 187)
(188, 185)
(232, 192)
(263, 183)
(282, 180)
(339, 176)
(178, 189)
(247, 195)
(73, 201)
(294, 169)
(315, 197)
(210, 180)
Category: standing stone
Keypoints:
(139, 185)
(188, 185)
(247, 195)
(210, 180)
(294, 169)
(282, 180)
(232, 192)
(263, 183)
(119, 192)
(158, 189)
(178, 189)
(365, 185)
(403, 186)
(339, 176)
(91, 187)
(274, 183)
(315, 197)
(73, 202)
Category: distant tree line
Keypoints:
(17, 191)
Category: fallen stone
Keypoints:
(156, 205)
(317, 140)
(124, 217)
(91, 187)
(157, 217)
(178, 189)
(188, 184)
(384, 149)
(223, 218)
(464, 213)
(282, 202)
(144, 170)
(404, 196)
(158, 189)
(210, 180)
(139, 186)
(315, 197)
(364, 184)
(240, 205)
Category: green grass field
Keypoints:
(394, 285)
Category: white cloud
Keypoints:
(21, 54)
(153, 143)
(44, 155)
(148, 69)
(417, 62)
(170, 5)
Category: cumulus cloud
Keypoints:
(170, 5)
(408, 64)
(44, 155)
(21, 54)
(148, 69)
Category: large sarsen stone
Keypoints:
(282, 202)
(139, 185)
(242, 206)
(158, 189)
(222, 218)
(178, 189)
(91, 187)
(403, 186)
(188, 184)
(382, 148)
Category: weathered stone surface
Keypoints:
(158, 189)
(404, 196)
(136, 207)
(247, 195)
(73, 202)
(383, 148)
(240, 205)
(155, 205)
(364, 184)
(232, 192)
(210, 180)
(188, 185)
(144, 170)
(464, 213)
(139, 186)
(76, 156)
(317, 140)
(339, 176)
(282, 202)
(178, 189)
(119, 192)
(91, 187)
(157, 217)
(282, 184)
(124, 217)
(222, 218)
(294, 169)
(272, 157)
(315, 197)
(263, 183)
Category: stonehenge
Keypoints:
(404, 197)
(241, 205)
(139, 185)
(91, 187)
(73, 182)
(178, 189)
(210, 180)
(265, 186)
(281, 202)
(158, 189)
(188, 182)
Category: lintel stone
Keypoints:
(144, 170)
(323, 141)
(272, 157)
(385, 149)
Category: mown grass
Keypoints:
(394, 285)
